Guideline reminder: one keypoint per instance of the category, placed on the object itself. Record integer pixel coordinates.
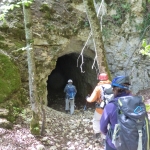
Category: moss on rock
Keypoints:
(34, 124)
(11, 95)
(9, 78)
(4, 46)
(2, 38)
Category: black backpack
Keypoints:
(133, 129)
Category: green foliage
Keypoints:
(48, 11)
(34, 124)
(44, 8)
(91, 5)
(7, 8)
(146, 22)
(2, 38)
(27, 3)
(147, 107)
(2, 17)
(86, 24)
(146, 19)
(146, 50)
(106, 32)
(9, 78)
(121, 9)
(16, 111)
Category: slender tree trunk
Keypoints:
(97, 36)
(34, 125)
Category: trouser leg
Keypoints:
(96, 122)
(67, 104)
(71, 107)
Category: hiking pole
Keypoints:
(85, 107)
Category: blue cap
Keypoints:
(119, 81)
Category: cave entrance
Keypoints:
(66, 68)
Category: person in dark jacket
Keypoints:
(108, 120)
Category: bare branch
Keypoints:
(81, 54)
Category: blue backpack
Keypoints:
(133, 129)
(70, 92)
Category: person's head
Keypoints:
(120, 84)
(70, 81)
(103, 77)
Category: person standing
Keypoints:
(70, 91)
(108, 120)
(96, 96)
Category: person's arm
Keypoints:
(105, 120)
(65, 89)
(95, 95)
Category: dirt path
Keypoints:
(63, 131)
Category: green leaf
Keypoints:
(19, 3)
(11, 7)
(17, 6)
(144, 43)
(2, 16)
(142, 52)
(147, 48)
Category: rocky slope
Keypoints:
(63, 131)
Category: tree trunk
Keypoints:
(34, 125)
(97, 36)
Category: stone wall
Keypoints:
(64, 30)
(123, 43)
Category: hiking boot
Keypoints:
(96, 136)
(67, 111)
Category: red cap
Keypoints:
(103, 77)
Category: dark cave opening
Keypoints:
(66, 68)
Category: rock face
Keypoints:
(60, 30)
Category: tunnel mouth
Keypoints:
(67, 68)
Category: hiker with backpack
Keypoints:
(124, 120)
(70, 91)
(97, 96)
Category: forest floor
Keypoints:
(63, 131)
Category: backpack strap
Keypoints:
(148, 131)
(140, 137)
(102, 92)
(111, 131)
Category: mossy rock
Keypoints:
(34, 124)
(10, 80)
(4, 46)
(14, 106)
(2, 38)
(77, 1)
